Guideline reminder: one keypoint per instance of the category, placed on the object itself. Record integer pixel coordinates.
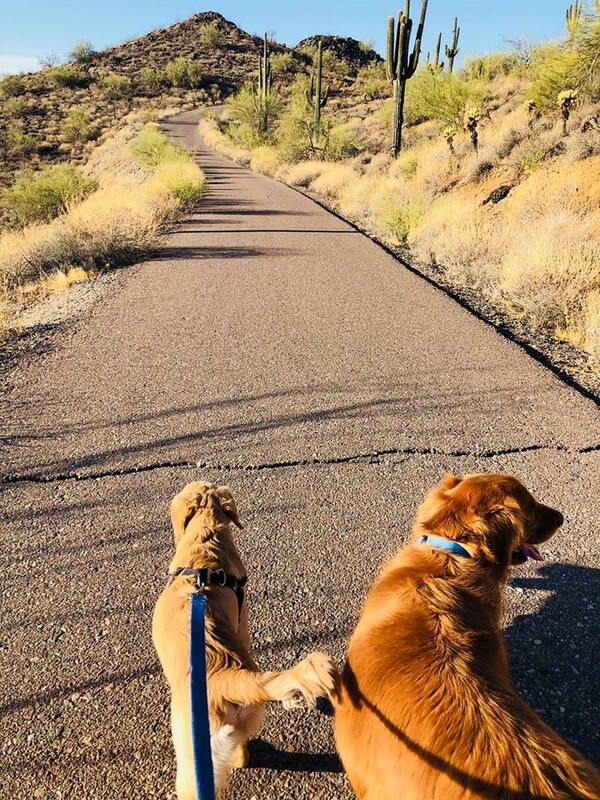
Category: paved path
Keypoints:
(293, 359)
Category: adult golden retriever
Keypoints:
(200, 515)
(426, 709)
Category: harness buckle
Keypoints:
(200, 582)
(220, 574)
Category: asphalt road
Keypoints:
(271, 347)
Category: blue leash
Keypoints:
(205, 783)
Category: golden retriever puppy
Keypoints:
(426, 710)
(201, 514)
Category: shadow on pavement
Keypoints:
(554, 652)
(264, 756)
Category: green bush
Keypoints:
(373, 81)
(65, 75)
(341, 142)
(12, 86)
(554, 70)
(442, 97)
(248, 111)
(151, 148)
(149, 80)
(337, 66)
(15, 107)
(41, 196)
(211, 35)
(283, 64)
(183, 73)
(114, 86)
(490, 66)
(82, 53)
(77, 128)
(18, 144)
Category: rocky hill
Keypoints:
(62, 111)
(356, 54)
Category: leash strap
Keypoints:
(205, 785)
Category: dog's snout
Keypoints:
(551, 518)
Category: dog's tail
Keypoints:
(313, 677)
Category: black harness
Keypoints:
(212, 577)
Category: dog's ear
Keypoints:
(448, 482)
(504, 529)
(185, 504)
(228, 505)
(434, 510)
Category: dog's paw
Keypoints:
(319, 677)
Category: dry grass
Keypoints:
(116, 225)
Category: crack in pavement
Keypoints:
(376, 457)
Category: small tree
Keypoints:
(82, 53)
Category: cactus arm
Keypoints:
(391, 51)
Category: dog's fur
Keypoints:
(426, 709)
(200, 515)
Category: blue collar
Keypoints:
(444, 544)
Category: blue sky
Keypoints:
(33, 28)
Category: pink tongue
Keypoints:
(531, 551)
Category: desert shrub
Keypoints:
(490, 66)
(265, 160)
(211, 35)
(82, 53)
(149, 80)
(283, 64)
(372, 81)
(18, 144)
(65, 75)
(182, 179)
(183, 73)
(114, 86)
(341, 142)
(41, 196)
(553, 70)
(15, 107)
(442, 97)
(77, 128)
(151, 148)
(12, 86)
(400, 216)
(248, 112)
(337, 66)
(587, 57)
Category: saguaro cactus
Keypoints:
(436, 67)
(401, 65)
(314, 94)
(264, 86)
(452, 52)
(572, 18)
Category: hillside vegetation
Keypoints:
(132, 186)
(496, 189)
